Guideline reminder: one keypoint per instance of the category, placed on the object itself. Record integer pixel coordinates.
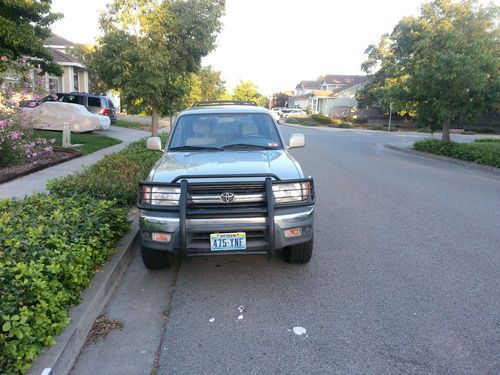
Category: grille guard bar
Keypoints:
(181, 183)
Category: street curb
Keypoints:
(463, 163)
(332, 128)
(60, 358)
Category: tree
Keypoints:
(280, 99)
(247, 90)
(150, 48)
(207, 84)
(441, 66)
(24, 25)
(84, 53)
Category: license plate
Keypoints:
(228, 241)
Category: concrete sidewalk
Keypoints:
(36, 182)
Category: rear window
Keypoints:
(70, 98)
(94, 101)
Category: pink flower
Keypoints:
(3, 123)
(38, 70)
(15, 135)
(35, 155)
(4, 58)
(53, 140)
(32, 104)
(47, 149)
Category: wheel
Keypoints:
(298, 254)
(154, 259)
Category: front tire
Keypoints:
(154, 259)
(298, 254)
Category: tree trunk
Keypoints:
(154, 122)
(445, 137)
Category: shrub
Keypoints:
(322, 119)
(113, 177)
(292, 120)
(488, 140)
(49, 249)
(18, 144)
(487, 153)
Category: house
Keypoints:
(75, 77)
(334, 96)
(305, 87)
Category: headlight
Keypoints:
(292, 193)
(161, 196)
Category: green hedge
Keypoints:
(113, 177)
(51, 245)
(482, 152)
(49, 250)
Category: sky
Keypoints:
(274, 43)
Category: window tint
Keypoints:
(94, 101)
(69, 98)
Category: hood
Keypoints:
(174, 164)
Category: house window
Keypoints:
(75, 82)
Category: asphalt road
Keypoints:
(404, 280)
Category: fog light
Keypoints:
(293, 232)
(161, 237)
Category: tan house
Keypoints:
(75, 77)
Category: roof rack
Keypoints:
(207, 103)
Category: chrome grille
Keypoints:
(210, 195)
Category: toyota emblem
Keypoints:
(227, 197)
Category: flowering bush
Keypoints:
(18, 143)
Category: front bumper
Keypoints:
(197, 232)
(190, 224)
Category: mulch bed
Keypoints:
(59, 155)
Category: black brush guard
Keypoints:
(267, 209)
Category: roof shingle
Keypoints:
(62, 57)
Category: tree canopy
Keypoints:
(280, 99)
(247, 90)
(442, 66)
(206, 84)
(150, 48)
(24, 25)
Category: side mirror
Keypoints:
(297, 140)
(154, 143)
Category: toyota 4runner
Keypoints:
(225, 185)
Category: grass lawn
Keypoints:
(482, 151)
(130, 124)
(91, 142)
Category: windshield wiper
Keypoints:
(195, 148)
(246, 145)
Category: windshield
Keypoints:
(225, 131)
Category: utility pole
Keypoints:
(390, 116)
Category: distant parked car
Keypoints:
(295, 112)
(278, 110)
(98, 104)
(276, 116)
(53, 116)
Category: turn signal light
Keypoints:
(293, 232)
(161, 237)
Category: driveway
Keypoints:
(404, 280)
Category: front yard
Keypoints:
(90, 142)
